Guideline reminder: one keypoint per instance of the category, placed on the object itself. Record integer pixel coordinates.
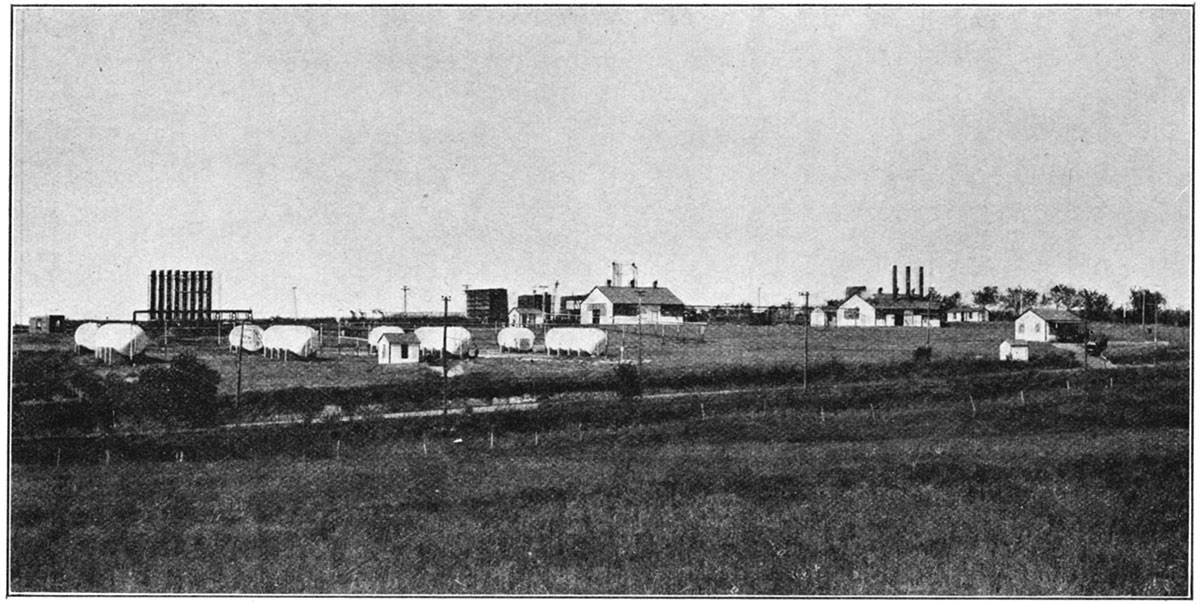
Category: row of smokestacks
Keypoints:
(181, 295)
(908, 290)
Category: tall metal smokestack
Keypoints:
(908, 282)
(895, 282)
(921, 282)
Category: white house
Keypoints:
(398, 348)
(606, 305)
(526, 317)
(1047, 325)
(855, 311)
(1014, 351)
(967, 314)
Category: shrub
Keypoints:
(628, 381)
(181, 393)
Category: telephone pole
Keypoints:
(807, 320)
(295, 313)
(445, 370)
(405, 288)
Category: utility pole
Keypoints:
(640, 293)
(445, 367)
(295, 312)
(237, 397)
(807, 320)
(405, 288)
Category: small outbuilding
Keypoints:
(398, 348)
(377, 333)
(1014, 351)
(526, 317)
(47, 324)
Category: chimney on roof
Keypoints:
(895, 282)
(654, 285)
(608, 283)
(880, 293)
(908, 282)
(921, 282)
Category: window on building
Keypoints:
(1020, 328)
(850, 313)
(1037, 328)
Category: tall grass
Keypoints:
(1031, 491)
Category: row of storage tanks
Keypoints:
(129, 340)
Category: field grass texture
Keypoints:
(1041, 491)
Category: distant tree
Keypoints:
(1019, 299)
(988, 296)
(1094, 305)
(954, 300)
(1144, 303)
(1063, 296)
(834, 303)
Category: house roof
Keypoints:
(629, 295)
(401, 338)
(890, 302)
(1054, 315)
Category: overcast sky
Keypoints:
(348, 152)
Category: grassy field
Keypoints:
(723, 347)
(922, 489)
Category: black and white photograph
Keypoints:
(611, 301)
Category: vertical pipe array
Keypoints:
(153, 291)
(921, 281)
(908, 282)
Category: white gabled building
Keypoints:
(855, 311)
(607, 305)
(1047, 325)
(398, 348)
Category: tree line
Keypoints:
(1144, 305)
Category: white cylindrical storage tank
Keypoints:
(299, 340)
(576, 340)
(85, 335)
(125, 339)
(250, 337)
(518, 339)
(458, 340)
(376, 334)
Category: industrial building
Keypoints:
(178, 296)
(542, 302)
(47, 324)
(912, 309)
(487, 305)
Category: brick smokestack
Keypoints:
(921, 282)
(895, 282)
(908, 282)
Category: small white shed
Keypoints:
(1014, 351)
(526, 317)
(373, 338)
(398, 348)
